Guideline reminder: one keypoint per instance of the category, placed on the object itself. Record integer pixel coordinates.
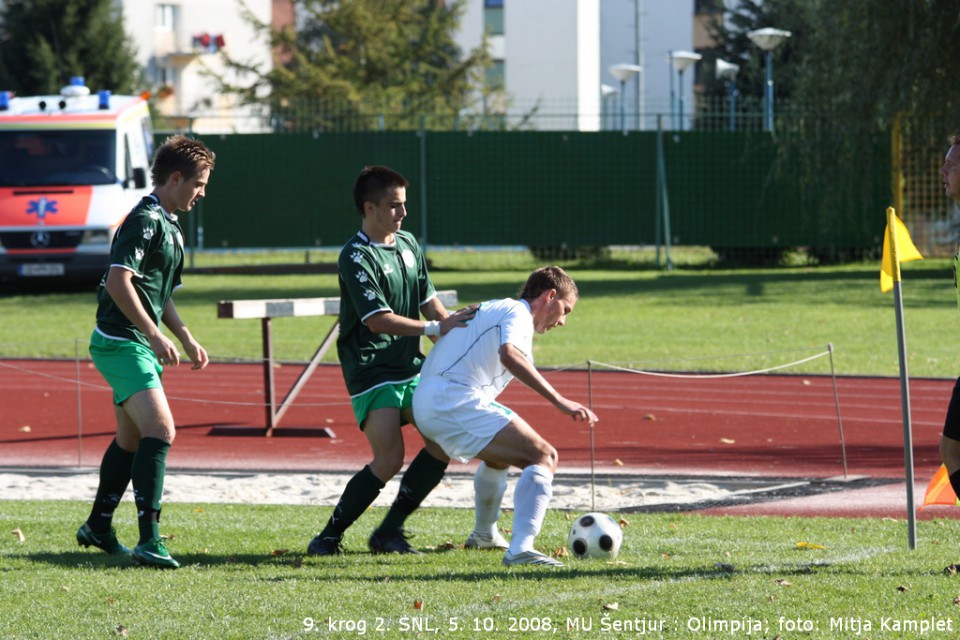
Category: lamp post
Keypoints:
(728, 71)
(682, 60)
(623, 72)
(768, 39)
(606, 91)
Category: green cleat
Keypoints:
(153, 553)
(106, 542)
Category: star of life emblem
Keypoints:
(41, 207)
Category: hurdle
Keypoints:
(265, 311)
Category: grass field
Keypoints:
(677, 576)
(682, 319)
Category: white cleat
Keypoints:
(480, 541)
(530, 557)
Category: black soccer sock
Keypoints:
(423, 474)
(149, 470)
(360, 492)
(115, 469)
(955, 481)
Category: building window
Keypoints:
(165, 17)
(495, 75)
(707, 6)
(493, 17)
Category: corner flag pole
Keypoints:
(904, 379)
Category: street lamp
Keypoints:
(728, 71)
(624, 72)
(682, 60)
(768, 39)
(606, 91)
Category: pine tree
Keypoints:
(43, 43)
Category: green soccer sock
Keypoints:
(149, 470)
(115, 469)
(423, 474)
(360, 492)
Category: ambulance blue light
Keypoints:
(76, 81)
(4, 100)
(104, 96)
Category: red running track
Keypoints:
(779, 426)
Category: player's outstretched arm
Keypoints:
(391, 324)
(523, 370)
(434, 310)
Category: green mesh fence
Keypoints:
(733, 191)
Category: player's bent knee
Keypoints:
(387, 465)
(547, 457)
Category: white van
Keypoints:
(71, 167)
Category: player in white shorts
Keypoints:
(455, 405)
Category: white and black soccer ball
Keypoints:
(595, 535)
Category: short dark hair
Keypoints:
(546, 278)
(954, 139)
(373, 182)
(183, 154)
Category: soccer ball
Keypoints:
(595, 535)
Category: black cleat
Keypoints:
(325, 546)
(391, 542)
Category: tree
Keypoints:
(852, 71)
(733, 45)
(43, 43)
(353, 60)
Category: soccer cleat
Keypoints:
(106, 542)
(324, 546)
(480, 541)
(952, 570)
(391, 542)
(153, 553)
(530, 557)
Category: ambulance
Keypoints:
(71, 167)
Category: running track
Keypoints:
(780, 426)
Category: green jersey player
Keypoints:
(384, 289)
(130, 350)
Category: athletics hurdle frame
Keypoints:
(265, 311)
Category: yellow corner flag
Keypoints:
(902, 248)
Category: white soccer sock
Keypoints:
(489, 485)
(530, 501)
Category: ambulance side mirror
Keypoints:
(139, 178)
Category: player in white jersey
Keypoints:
(455, 405)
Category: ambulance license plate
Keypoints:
(42, 269)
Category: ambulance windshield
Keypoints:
(57, 158)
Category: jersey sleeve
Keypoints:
(133, 242)
(359, 277)
(425, 285)
(516, 328)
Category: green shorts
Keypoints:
(399, 395)
(127, 366)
